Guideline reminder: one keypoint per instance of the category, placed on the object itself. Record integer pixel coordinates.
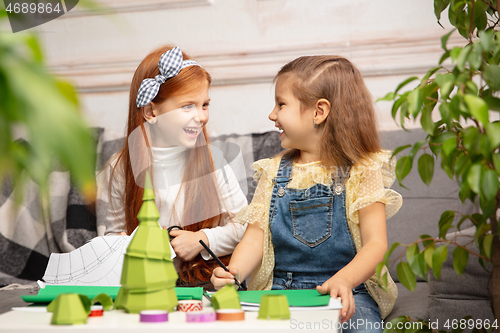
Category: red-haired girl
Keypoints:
(166, 135)
(318, 217)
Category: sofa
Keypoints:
(73, 222)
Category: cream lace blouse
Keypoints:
(369, 182)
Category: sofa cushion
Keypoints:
(413, 305)
(26, 240)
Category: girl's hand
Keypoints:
(220, 277)
(337, 287)
(186, 244)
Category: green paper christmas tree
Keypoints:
(148, 274)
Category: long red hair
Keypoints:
(199, 183)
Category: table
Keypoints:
(119, 321)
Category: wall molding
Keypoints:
(374, 58)
(129, 6)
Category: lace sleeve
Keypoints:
(369, 182)
(257, 210)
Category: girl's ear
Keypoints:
(321, 111)
(148, 113)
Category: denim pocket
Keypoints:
(312, 220)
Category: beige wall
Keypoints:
(242, 43)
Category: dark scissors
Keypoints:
(172, 227)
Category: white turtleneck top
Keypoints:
(168, 169)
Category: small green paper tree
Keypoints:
(148, 276)
(456, 107)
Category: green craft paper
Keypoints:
(103, 299)
(226, 298)
(50, 292)
(302, 297)
(274, 306)
(165, 299)
(69, 310)
(146, 275)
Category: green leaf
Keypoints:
(464, 191)
(389, 252)
(426, 168)
(474, 177)
(428, 255)
(486, 37)
(444, 39)
(488, 245)
(490, 184)
(406, 276)
(454, 53)
(426, 121)
(429, 73)
(496, 162)
(411, 252)
(471, 88)
(439, 6)
(449, 146)
(460, 259)
(462, 163)
(493, 102)
(445, 222)
(445, 56)
(478, 108)
(493, 134)
(415, 101)
(389, 97)
(403, 168)
(416, 148)
(480, 20)
(405, 82)
(491, 75)
(471, 139)
(462, 57)
(399, 149)
(426, 242)
(418, 265)
(438, 258)
(475, 57)
(446, 84)
(378, 272)
(397, 104)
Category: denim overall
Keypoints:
(312, 240)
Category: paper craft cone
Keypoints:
(274, 307)
(226, 298)
(68, 309)
(164, 299)
(148, 275)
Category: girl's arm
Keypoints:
(246, 257)
(374, 239)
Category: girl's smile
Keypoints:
(180, 119)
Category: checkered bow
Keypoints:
(170, 65)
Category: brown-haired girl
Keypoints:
(166, 135)
(318, 217)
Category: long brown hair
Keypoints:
(199, 183)
(350, 132)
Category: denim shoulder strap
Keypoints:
(279, 182)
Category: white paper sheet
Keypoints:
(97, 263)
